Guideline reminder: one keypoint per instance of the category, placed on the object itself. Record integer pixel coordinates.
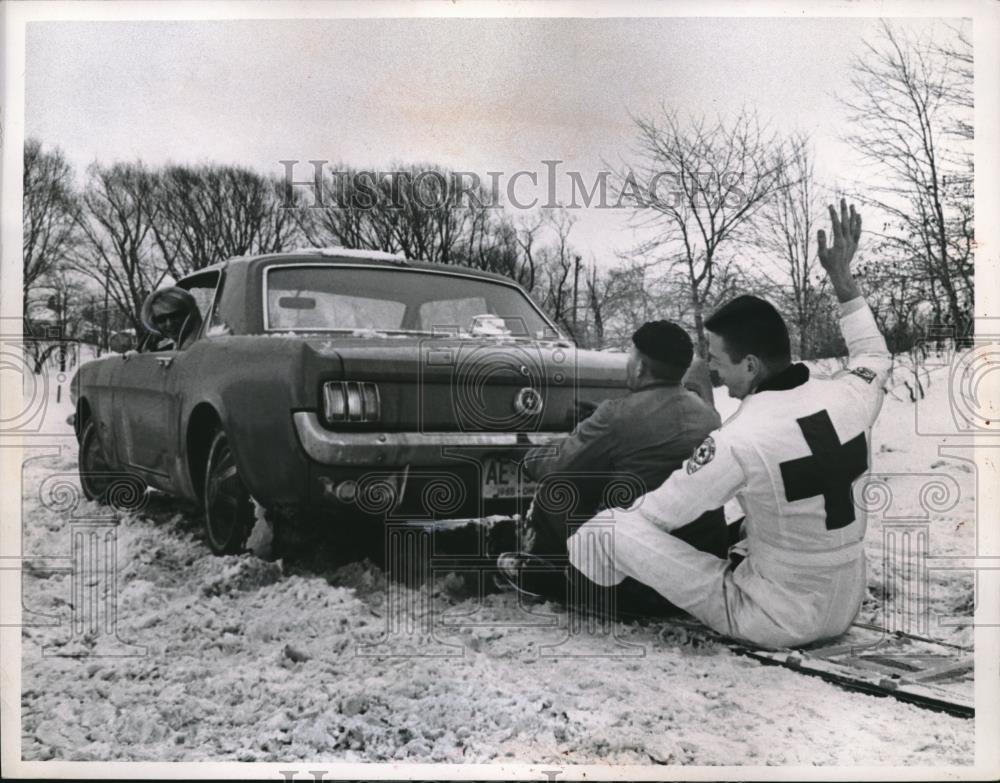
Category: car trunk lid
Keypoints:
(439, 384)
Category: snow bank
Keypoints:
(247, 659)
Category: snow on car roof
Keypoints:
(343, 252)
(337, 253)
(330, 252)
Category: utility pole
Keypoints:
(58, 303)
(104, 326)
(576, 286)
(63, 304)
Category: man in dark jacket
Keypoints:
(628, 446)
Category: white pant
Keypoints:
(766, 603)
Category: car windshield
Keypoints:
(401, 301)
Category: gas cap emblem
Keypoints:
(528, 402)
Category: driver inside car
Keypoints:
(172, 315)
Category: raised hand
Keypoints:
(846, 233)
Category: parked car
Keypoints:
(335, 386)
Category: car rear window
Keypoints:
(329, 298)
(308, 309)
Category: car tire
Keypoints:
(228, 506)
(92, 464)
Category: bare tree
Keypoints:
(957, 53)
(493, 243)
(49, 217)
(785, 232)
(635, 296)
(526, 236)
(408, 209)
(602, 302)
(559, 265)
(431, 221)
(623, 297)
(720, 173)
(424, 212)
(206, 214)
(343, 218)
(908, 104)
(117, 250)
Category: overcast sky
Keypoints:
(479, 95)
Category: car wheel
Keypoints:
(95, 471)
(229, 512)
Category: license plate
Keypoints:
(501, 480)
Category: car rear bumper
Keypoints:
(396, 449)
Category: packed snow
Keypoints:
(241, 658)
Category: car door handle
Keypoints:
(164, 361)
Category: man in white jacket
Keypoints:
(789, 455)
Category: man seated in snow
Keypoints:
(635, 441)
(789, 455)
(629, 444)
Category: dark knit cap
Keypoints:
(664, 341)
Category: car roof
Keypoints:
(334, 255)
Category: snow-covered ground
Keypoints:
(246, 659)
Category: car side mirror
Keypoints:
(121, 342)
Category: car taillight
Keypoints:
(351, 401)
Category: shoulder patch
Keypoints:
(702, 455)
(864, 374)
